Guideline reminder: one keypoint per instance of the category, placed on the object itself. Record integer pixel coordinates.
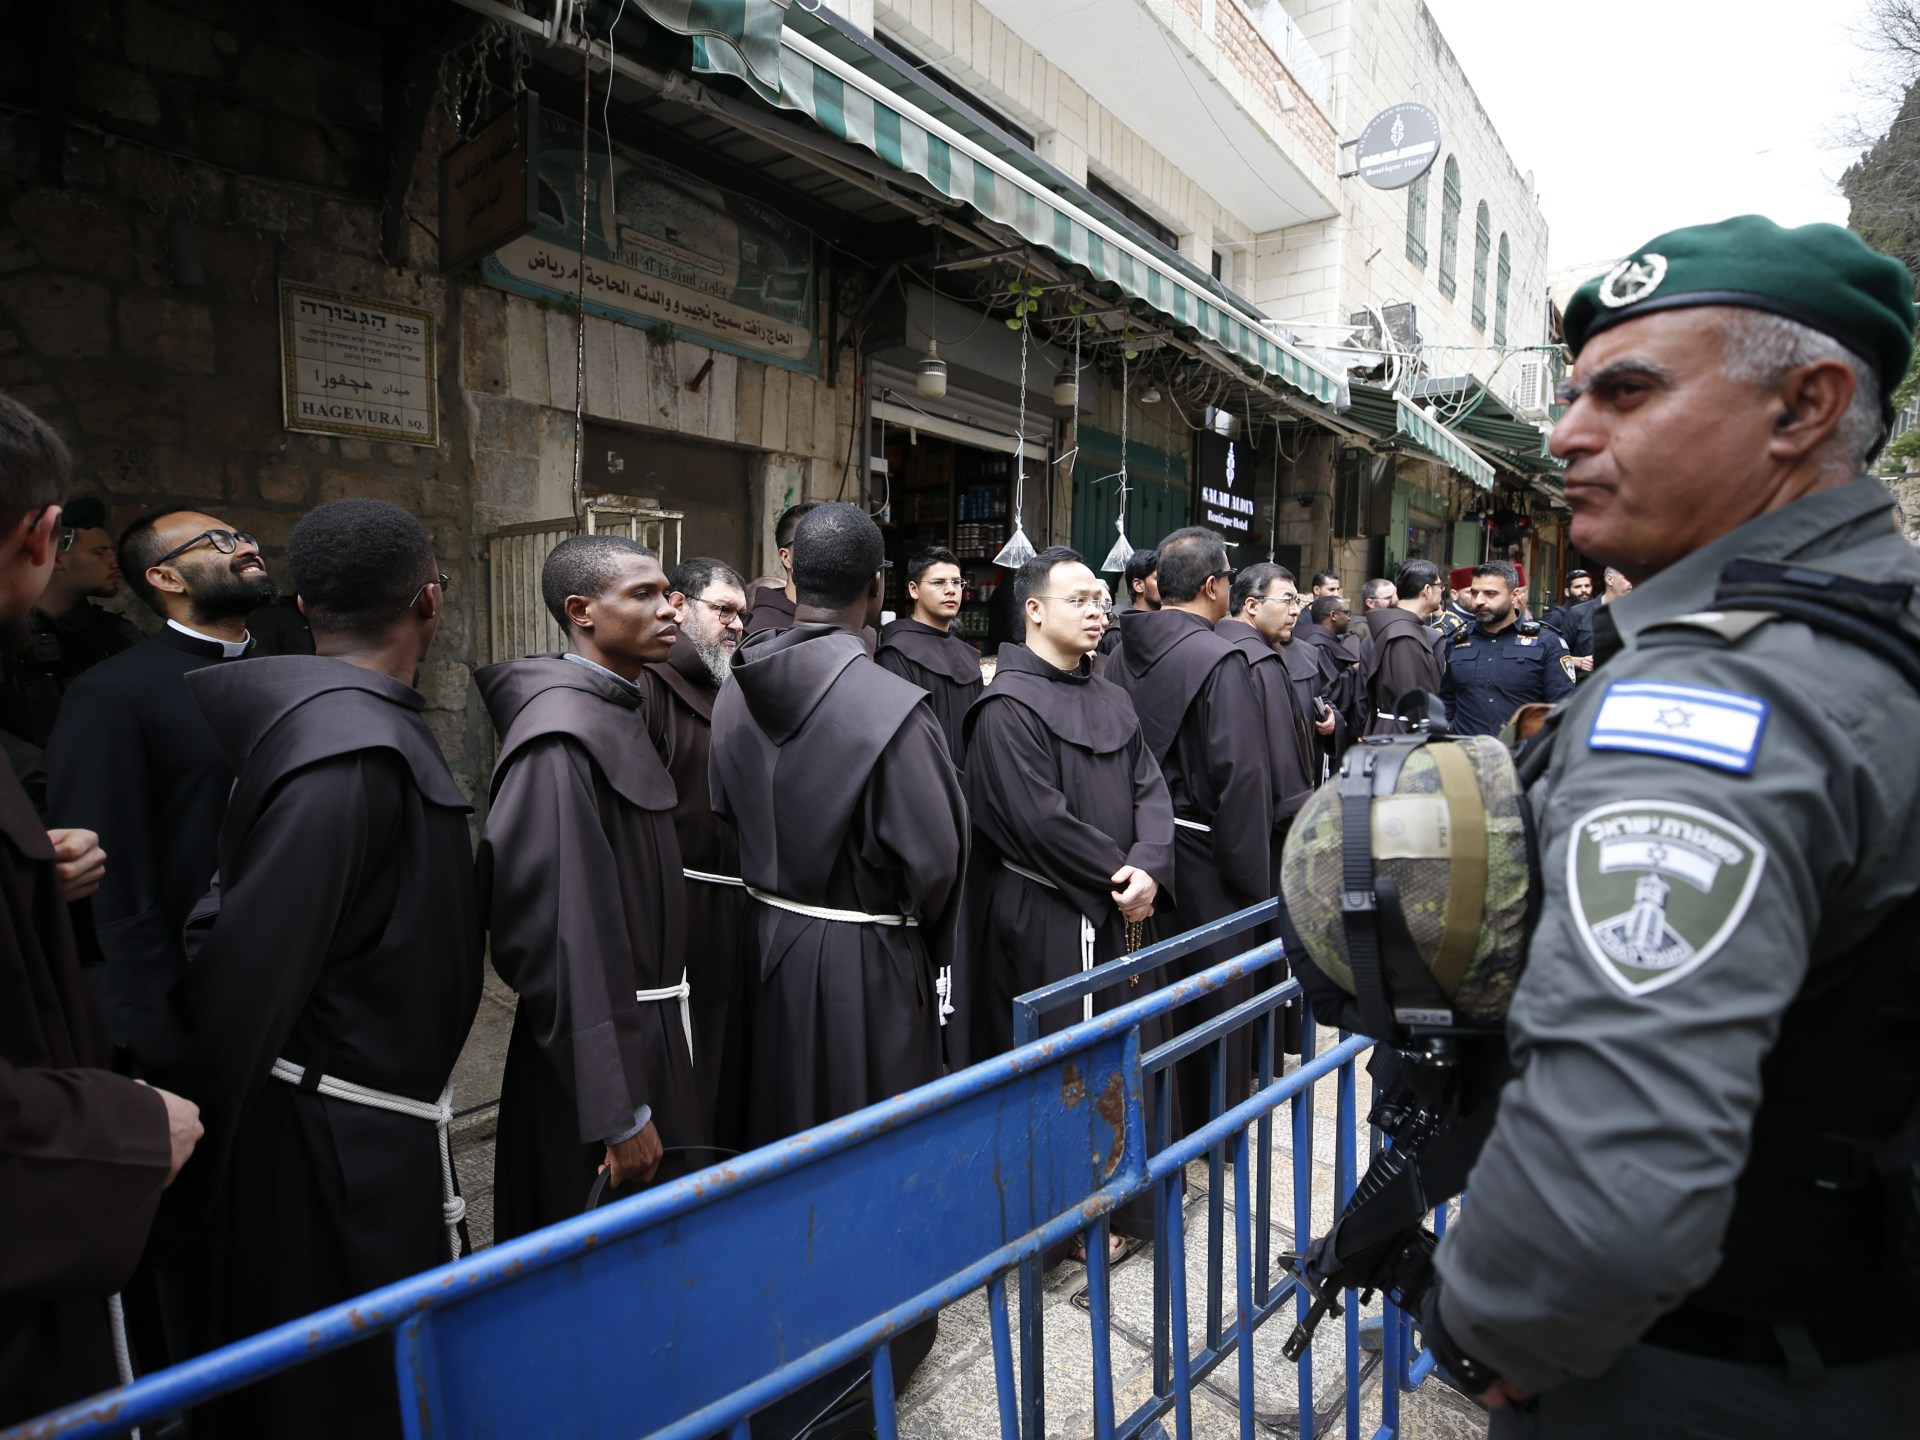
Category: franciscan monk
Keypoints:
(923, 649)
(1263, 609)
(340, 948)
(1203, 721)
(708, 597)
(580, 880)
(84, 1153)
(1073, 826)
(1399, 655)
(772, 609)
(836, 778)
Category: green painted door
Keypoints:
(1157, 494)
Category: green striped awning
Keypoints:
(859, 108)
(743, 33)
(1425, 433)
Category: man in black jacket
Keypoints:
(131, 757)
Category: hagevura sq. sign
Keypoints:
(1398, 146)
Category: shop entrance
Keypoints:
(944, 492)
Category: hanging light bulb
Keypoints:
(932, 379)
(1019, 549)
(1150, 395)
(1066, 388)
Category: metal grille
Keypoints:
(515, 553)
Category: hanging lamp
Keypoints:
(1122, 551)
(1019, 549)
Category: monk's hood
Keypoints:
(783, 675)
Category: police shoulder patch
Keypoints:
(1710, 727)
(1567, 666)
(1657, 888)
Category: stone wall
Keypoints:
(260, 128)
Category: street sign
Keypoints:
(1398, 146)
(489, 187)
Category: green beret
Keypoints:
(1826, 277)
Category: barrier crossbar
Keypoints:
(729, 1290)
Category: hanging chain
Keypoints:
(580, 292)
(1020, 441)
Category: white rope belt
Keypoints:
(453, 1209)
(1192, 825)
(821, 912)
(1086, 931)
(704, 878)
(678, 992)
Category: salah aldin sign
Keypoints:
(1223, 486)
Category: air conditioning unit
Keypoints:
(1534, 393)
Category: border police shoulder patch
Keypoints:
(1709, 727)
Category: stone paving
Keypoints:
(953, 1395)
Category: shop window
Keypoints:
(1502, 282)
(1417, 221)
(1482, 244)
(1449, 226)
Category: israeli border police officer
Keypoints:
(1501, 662)
(1694, 1213)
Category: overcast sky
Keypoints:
(1637, 118)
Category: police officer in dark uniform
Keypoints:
(1696, 1211)
(1501, 662)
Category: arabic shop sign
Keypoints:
(357, 367)
(488, 187)
(665, 249)
(1223, 485)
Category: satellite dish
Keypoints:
(1398, 146)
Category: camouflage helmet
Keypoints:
(1453, 839)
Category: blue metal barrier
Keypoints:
(735, 1287)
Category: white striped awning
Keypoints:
(858, 108)
(1425, 433)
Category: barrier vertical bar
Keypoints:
(1032, 1351)
(886, 1420)
(1345, 1165)
(1243, 1279)
(1165, 1195)
(1270, 1063)
(1216, 1192)
(1177, 1304)
(1302, 1117)
(1003, 1358)
(1099, 1317)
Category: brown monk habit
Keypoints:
(83, 1152)
(1202, 720)
(1400, 659)
(678, 703)
(1060, 783)
(837, 781)
(580, 881)
(940, 663)
(1291, 753)
(344, 939)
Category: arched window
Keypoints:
(1449, 225)
(1482, 244)
(1502, 279)
(1417, 221)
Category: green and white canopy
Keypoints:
(859, 108)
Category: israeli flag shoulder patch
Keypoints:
(1720, 728)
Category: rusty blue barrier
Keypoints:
(736, 1287)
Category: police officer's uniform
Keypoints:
(1492, 673)
(1669, 1232)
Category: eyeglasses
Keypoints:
(724, 610)
(65, 542)
(1079, 602)
(1226, 574)
(1292, 602)
(956, 583)
(445, 582)
(225, 541)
